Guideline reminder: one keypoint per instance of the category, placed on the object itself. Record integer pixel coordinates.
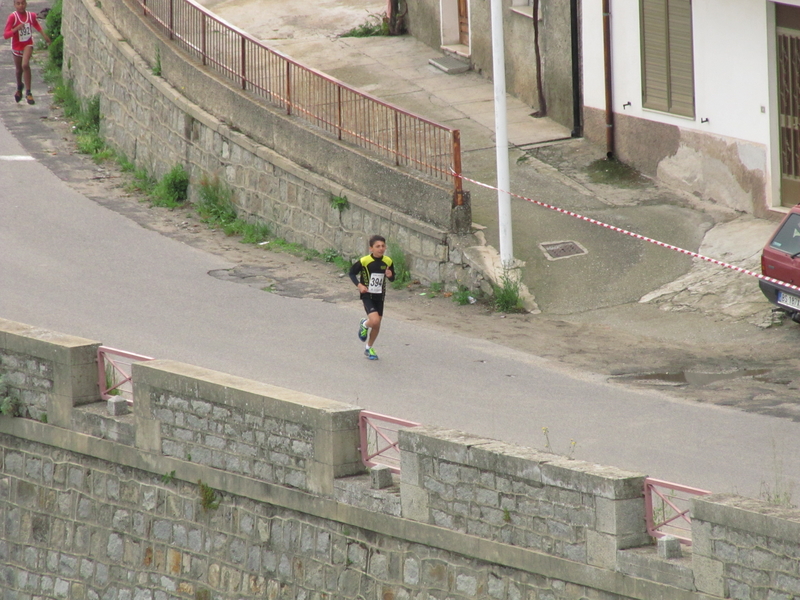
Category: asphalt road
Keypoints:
(71, 265)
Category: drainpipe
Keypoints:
(607, 65)
(577, 124)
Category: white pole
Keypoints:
(501, 135)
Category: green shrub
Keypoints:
(340, 203)
(52, 21)
(402, 275)
(56, 51)
(506, 295)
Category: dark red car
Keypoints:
(780, 260)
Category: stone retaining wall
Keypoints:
(233, 489)
(281, 172)
(746, 549)
(50, 372)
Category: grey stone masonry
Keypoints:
(244, 427)
(49, 372)
(519, 496)
(746, 549)
(225, 488)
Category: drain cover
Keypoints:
(556, 250)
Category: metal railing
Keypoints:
(667, 508)
(115, 372)
(352, 116)
(378, 435)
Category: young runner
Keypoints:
(19, 27)
(370, 273)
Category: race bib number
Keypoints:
(25, 32)
(376, 283)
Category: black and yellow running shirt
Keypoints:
(371, 272)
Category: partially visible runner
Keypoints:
(19, 27)
(370, 273)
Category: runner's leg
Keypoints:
(26, 66)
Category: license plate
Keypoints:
(789, 300)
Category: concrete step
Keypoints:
(450, 64)
(645, 563)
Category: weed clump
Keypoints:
(375, 25)
(9, 400)
(506, 295)
(173, 188)
(402, 274)
(209, 499)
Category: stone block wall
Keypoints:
(746, 549)
(84, 528)
(239, 426)
(48, 372)
(233, 489)
(280, 172)
(518, 496)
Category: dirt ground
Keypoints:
(702, 356)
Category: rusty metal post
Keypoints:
(244, 63)
(458, 192)
(288, 88)
(203, 42)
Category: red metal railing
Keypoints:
(352, 116)
(667, 508)
(379, 439)
(115, 372)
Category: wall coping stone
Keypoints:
(749, 514)
(240, 393)
(522, 462)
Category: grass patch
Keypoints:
(217, 210)
(141, 182)
(614, 172)
(332, 255)
(375, 25)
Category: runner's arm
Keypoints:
(355, 272)
(9, 30)
(38, 27)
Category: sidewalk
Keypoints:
(615, 269)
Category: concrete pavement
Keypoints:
(615, 270)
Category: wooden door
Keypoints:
(463, 23)
(788, 21)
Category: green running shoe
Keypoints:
(370, 354)
(363, 331)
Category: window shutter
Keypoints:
(655, 92)
(667, 56)
(681, 61)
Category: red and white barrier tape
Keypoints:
(638, 236)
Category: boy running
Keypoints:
(370, 273)
(19, 27)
